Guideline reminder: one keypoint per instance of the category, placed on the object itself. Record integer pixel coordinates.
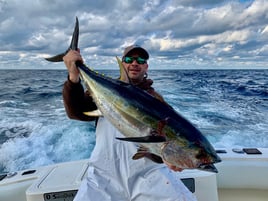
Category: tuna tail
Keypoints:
(73, 45)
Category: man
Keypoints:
(112, 174)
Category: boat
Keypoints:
(242, 176)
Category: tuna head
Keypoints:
(186, 156)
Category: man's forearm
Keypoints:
(76, 101)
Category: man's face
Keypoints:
(135, 70)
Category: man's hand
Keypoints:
(69, 60)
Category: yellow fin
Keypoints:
(144, 152)
(94, 113)
(123, 74)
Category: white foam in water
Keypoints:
(46, 144)
(78, 139)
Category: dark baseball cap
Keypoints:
(143, 53)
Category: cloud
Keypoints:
(177, 33)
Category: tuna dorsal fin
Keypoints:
(123, 74)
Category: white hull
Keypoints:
(241, 177)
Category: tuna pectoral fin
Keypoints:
(95, 113)
(143, 152)
(153, 157)
(145, 139)
(208, 167)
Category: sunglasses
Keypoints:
(129, 60)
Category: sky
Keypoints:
(178, 34)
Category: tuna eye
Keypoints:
(200, 155)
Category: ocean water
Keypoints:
(230, 107)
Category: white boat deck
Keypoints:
(241, 177)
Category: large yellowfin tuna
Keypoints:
(162, 133)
